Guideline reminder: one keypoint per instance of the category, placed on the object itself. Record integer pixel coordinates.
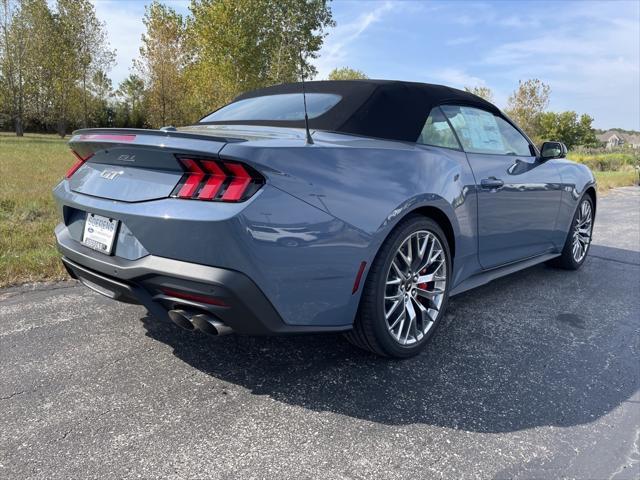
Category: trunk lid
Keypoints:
(132, 165)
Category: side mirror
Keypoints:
(551, 150)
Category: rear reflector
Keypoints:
(79, 162)
(356, 284)
(194, 297)
(213, 180)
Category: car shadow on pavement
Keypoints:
(541, 347)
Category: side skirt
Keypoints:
(490, 275)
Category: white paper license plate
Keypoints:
(99, 233)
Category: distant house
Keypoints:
(615, 139)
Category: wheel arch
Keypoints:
(437, 215)
(443, 222)
(364, 336)
(591, 191)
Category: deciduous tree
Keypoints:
(482, 92)
(39, 108)
(568, 128)
(241, 45)
(527, 103)
(163, 58)
(14, 67)
(346, 73)
(129, 109)
(87, 36)
(101, 94)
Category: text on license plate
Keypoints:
(99, 233)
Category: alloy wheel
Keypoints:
(582, 231)
(415, 287)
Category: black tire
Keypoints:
(566, 260)
(370, 331)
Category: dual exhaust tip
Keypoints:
(205, 322)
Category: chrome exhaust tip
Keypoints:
(210, 325)
(182, 318)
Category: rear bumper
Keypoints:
(244, 307)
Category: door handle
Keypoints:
(491, 183)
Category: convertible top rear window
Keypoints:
(282, 107)
(372, 108)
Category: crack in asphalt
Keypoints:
(84, 420)
(14, 394)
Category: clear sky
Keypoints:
(587, 51)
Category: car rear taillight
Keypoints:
(79, 162)
(216, 180)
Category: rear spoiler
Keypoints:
(124, 135)
(86, 142)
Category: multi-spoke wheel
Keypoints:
(415, 287)
(582, 231)
(579, 239)
(406, 290)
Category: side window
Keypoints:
(483, 132)
(437, 132)
(514, 141)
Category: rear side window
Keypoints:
(437, 132)
(483, 132)
(282, 107)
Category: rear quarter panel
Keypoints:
(371, 185)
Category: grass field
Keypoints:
(31, 166)
(607, 162)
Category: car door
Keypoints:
(518, 194)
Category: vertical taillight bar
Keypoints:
(79, 162)
(215, 181)
(239, 182)
(195, 176)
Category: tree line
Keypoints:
(528, 105)
(55, 59)
(52, 64)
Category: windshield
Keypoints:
(284, 107)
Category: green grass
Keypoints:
(608, 180)
(615, 169)
(29, 168)
(604, 162)
(32, 165)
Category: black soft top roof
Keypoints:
(388, 109)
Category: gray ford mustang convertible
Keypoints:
(397, 196)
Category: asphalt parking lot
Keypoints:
(533, 376)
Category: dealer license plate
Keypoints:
(99, 233)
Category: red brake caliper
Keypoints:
(425, 285)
